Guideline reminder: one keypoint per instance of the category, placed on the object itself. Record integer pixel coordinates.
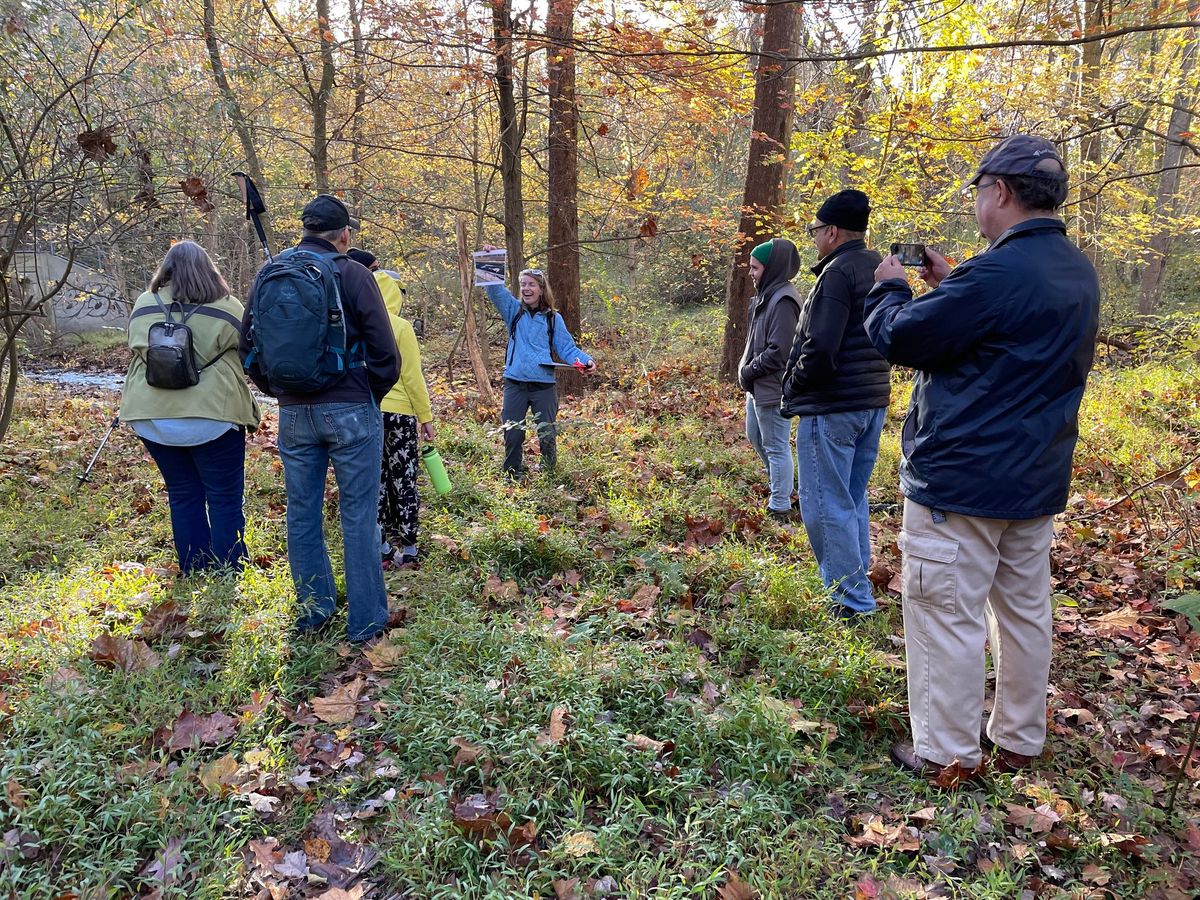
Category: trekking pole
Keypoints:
(95, 456)
(255, 207)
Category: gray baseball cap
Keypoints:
(1021, 154)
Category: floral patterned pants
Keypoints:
(398, 500)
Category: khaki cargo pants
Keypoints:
(966, 580)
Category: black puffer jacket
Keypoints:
(833, 367)
(1002, 348)
(773, 314)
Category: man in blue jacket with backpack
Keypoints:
(1002, 346)
(317, 337)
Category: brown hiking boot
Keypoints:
(1004, 760)
(948, 776)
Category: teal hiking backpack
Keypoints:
(298, 324)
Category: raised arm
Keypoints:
(506, 304)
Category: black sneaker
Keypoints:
(782, 516)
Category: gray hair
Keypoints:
(189, 270)
(331, 236)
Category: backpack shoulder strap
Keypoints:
(228, 317)
(164, 309)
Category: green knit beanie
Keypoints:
(762, 252)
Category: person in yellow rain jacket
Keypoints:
(406, 410)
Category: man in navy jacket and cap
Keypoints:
(1002, 346)
(340, 424)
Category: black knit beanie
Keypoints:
(848, 209)
(363, 257)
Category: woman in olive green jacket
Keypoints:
(196, 435)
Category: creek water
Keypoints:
(111, 382)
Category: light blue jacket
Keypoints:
(527, 356)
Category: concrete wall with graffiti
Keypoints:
(90, 300)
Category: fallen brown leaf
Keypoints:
(216, 777)
(341, 706)
(385, 655)
(579, 844)
(557, 730)
(1039, 820)
(164, 620)
(119, 653)
(736, 889)
(467, 754)
(190, 730)
(15, 794)
(875, 833)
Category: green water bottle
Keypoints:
(436, 469)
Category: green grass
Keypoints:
(775, 718)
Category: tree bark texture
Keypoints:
(562, 258)
(466, 276)
(357, 191)
(766, 172)
(1167, 199)
(512, 135)
(321, 95)
(241, 125)
(1091, 146)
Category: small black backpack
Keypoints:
(170, 354)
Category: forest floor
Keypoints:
(620, 681)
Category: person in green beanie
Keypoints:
(774, 311)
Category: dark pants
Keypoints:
(399, 503)
(205, 485)
(519, 398)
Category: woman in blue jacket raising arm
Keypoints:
(535, 329)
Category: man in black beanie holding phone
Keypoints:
(838, 384)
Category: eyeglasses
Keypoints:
(537, 273)
(812, 230)
(973, 189)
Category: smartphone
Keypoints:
(909, 254)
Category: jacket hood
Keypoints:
(781, 268)
(390, 290)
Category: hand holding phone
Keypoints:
(936, 268)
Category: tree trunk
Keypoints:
(766, 173)
(562, 258)
(512, 135)
(357, 192)
(241, 124)
(320, 102)
(1091, 146)
(466, 275)
(1167, 200)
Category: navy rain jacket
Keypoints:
(1002, 347)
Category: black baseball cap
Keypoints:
(1021, 154)
(326, 212)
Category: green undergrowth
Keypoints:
(714, 717)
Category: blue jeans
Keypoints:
(205, 485)
(770, 434)
(836, 454)
(351, 436)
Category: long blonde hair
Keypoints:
(189, 270)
